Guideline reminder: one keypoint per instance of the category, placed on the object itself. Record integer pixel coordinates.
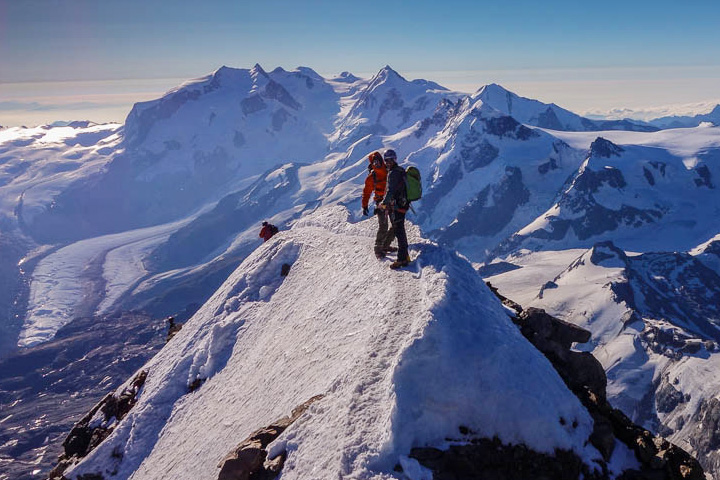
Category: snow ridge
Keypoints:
(403, 358)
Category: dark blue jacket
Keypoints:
(396, 195)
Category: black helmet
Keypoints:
(390, 155)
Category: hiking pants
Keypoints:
(385, 233)
(398, 222)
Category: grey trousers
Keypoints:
(385, 233)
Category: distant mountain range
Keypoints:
(608, 225)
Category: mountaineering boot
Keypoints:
(379, 254)
(400, 263)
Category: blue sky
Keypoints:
(630, 42)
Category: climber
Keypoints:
(376, 181)
(396, 204)
(267, 231)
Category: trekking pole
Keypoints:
(411, 208)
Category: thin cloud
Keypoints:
(650, 113)
(14, 106)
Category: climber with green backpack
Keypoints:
(402, 188)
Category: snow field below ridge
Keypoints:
(64, 284)
(403, 358)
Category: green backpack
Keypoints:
(413, 184)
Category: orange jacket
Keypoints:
(376, 180)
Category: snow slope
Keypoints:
(403, 358)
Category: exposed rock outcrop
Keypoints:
(249, 459)
(96, 426)
(584, 375)
(490, 459)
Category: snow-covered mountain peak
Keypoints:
(492, 92)
(258, 71)
(310, 73)
(388, 74)
(346, 77)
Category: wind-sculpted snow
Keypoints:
(403, 358)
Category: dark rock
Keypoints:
(251, 104)
(476, 153)
(279, 118)
(195, 384)
(587, 372)
(584, 375)
(491, 210)
(548, 329)
(505, 301)
(548, 285)
(602, 437)
(83, 438)
(173, 328)
(649, 176)
(605, 148)
(705, 179)
(548, 119)
(249, 459)
(490, 459)
(706, 438)
(602, 251)
(285, 269)
(275, 91)
(496, 268)
(506, 126)
(239, 139)
(547, 166)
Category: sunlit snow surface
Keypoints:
(403, 358)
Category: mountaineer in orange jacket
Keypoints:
(377, 181)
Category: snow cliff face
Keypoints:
(429, 356)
